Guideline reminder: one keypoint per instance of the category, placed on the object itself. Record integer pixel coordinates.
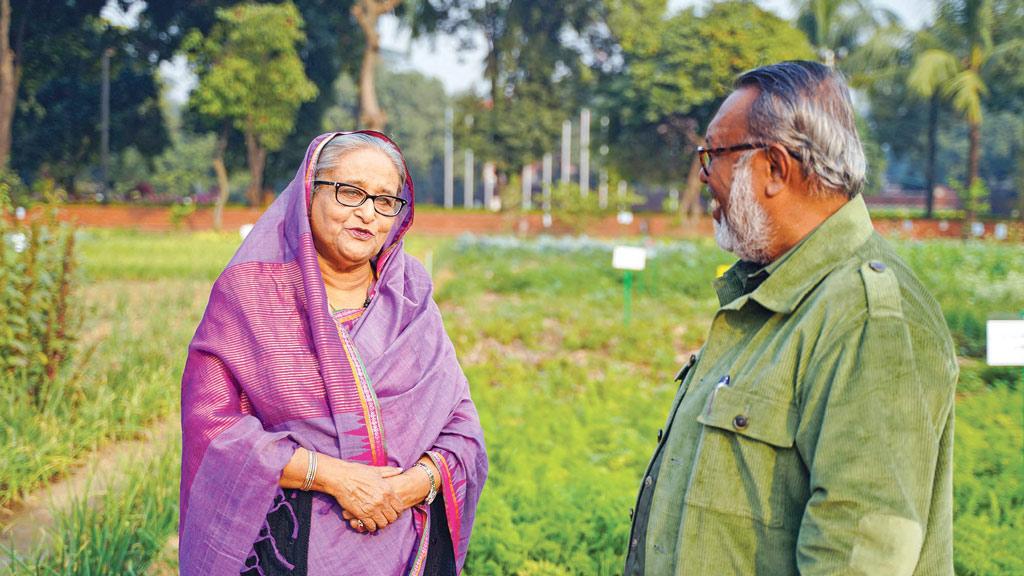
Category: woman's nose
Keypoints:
(366, 211)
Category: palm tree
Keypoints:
(953, 66)
(837, 27)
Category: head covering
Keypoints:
(270, 370)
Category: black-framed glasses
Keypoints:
(705, 155)
(354, 196)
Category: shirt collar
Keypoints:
(782, 284)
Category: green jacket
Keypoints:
(813, 434)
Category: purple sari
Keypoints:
(269, 370)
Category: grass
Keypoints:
(570, 397)
(118, 532)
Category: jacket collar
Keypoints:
(782, 285)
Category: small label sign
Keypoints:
(1005, 342)
(629, 258)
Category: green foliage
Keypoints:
(678, 71)
(537, 69)
(122, 530)
(38, 316)
(987, 487)
(972, 281)
(415, 105)
(56, 122)
(570, 398)
(973, 198)
(249, 70)
(573, 208)
(144, 300)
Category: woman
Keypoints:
(328, 428)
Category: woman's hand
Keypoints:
(411, 487)
(364, 492)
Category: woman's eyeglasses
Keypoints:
(354, 196)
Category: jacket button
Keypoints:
(660, 432)
(630, 513)
(740, 422)
(632, 545)
(877, 266)
(647, 482)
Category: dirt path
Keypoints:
(26, 527)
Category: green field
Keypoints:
(569, 396)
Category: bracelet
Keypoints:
(310, 472)
(433, 484)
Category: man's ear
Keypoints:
(781, 166)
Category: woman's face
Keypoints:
(348, 237)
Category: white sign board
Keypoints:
(1005, 342)
(629, 258)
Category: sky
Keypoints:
(461, 70)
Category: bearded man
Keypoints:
(813, 432)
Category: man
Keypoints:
(814, 432)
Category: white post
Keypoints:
(602, 190)
(566, 152)
(449, 159)
(490, 179)
(527, 187)
(546, 181)
(622, 194)
(585, 151)
(467, 180)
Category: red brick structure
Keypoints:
(454, 222)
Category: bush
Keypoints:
(37, 318)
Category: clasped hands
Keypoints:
(371, 497)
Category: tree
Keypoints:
(366, 13)
(250, 76)
(31, 28)
(838, 27)
(954, 67)
(539, 65)
(56, 122)
(676, 72)
(415, 105)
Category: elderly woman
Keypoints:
(328, 428)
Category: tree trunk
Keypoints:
(973, 160)
(366, 13)
(10, 74)
(933, 136)
(689, 204)
(257, 158)
(223, 189)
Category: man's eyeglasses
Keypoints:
(354, 196)
(705, 155)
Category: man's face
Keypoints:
(742, 226)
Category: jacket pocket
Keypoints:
(746, 463)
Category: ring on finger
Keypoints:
(361, 525)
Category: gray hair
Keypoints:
(330, 156)
(806, 107)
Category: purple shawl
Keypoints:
(270, 370)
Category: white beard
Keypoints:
(744, 229)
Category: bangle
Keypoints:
(310, 472)
(433, 484)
